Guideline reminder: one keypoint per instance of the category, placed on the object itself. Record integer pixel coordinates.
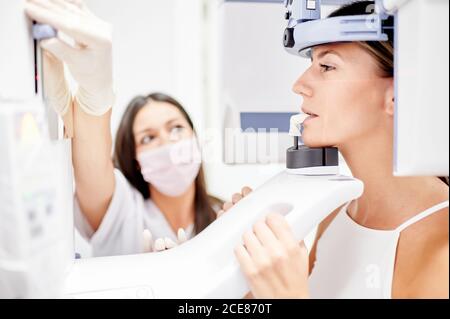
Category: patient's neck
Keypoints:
(179, 211)
(387, 200)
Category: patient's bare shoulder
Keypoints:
(422, 265)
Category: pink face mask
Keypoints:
(171, 168)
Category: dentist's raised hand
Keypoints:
(274, 263)
(89, 58)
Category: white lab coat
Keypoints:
(128, 214)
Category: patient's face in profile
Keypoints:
(347, 91)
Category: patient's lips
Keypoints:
(309, 112)
(311, 116)
(309, 119)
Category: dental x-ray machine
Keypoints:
(36, 197)
(310, 188)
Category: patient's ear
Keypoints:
(389, 102)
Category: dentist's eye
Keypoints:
(326, 68)
(177, 129)
(146, 139)
(176, 132)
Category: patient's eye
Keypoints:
(326, 68)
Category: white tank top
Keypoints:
(356, 262)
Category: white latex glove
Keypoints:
(161, 244)
(89, 60)
(234, 199)
(56, 89)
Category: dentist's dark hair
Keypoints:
(125, 160)
(382, 52)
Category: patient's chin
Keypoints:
(315, 139)
(314, 142)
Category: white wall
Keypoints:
(157, 47)
(241, 52)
